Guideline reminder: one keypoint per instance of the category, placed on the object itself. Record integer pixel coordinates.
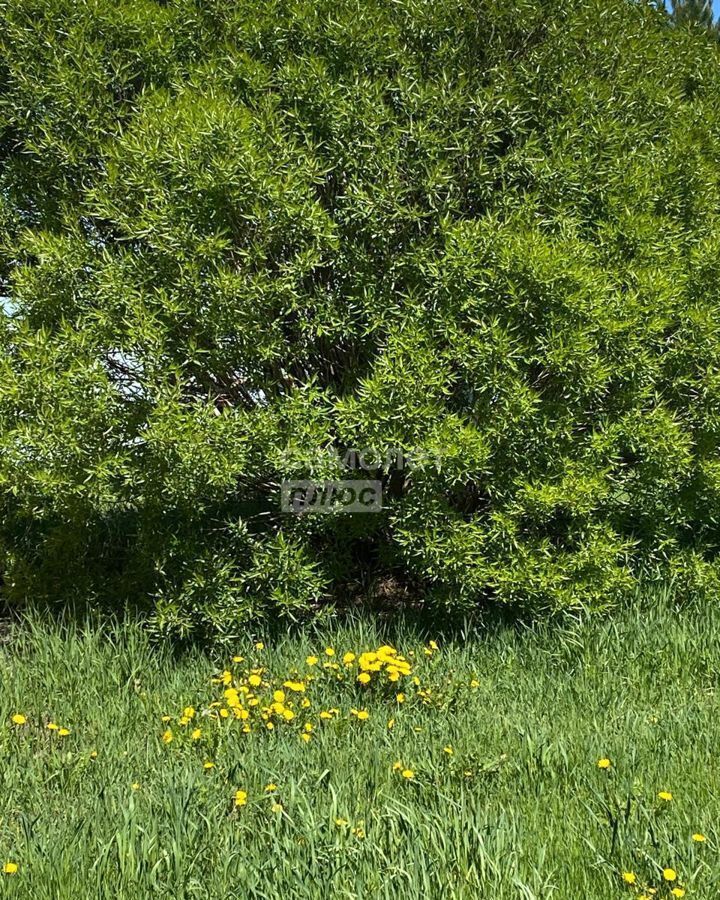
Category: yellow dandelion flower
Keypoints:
(391, 723)
(269, 726)
(400, 697)
(309, 727)
(629, 877)
(699, 838)
(364, 678)
(232, 698)
(277, 807)
(341, 823)
(189, 712)
(297, 686)
(241, 798)
(224, 713)
(163, 719)
(604, 763)
(51, 726)
(306, 737)
(325, 714)
(167, 736)
(270, 788)
(196, 735)
(312, 660)
(397, 766)
(10, 868)
(678, 892)
(93, 754)
(255, 680)
(135, 785)
(279, 696)
(433, 645)
(259, 645)
(349, 658)
(63, 732)
(238, 659)
(669, 874)
(449, 750)
(408, 773)
(474, 683)
(329, 651)
(208, 764)
(18, 719)
(665, 795)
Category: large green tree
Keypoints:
(239, 238)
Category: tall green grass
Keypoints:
(519, 809)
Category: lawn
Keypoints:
(482, 782)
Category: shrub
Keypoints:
(239, 239)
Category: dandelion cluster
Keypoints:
(256, 700)
(19, 720)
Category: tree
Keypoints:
(239, 240)
(693, 12)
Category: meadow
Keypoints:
(457, 255)
(570, 761)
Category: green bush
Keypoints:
(238, 239)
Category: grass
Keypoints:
(519, 809)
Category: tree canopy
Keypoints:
(238, 239)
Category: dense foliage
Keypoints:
(235, 236)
